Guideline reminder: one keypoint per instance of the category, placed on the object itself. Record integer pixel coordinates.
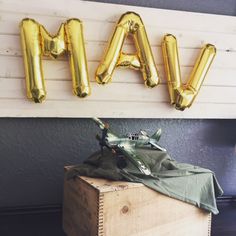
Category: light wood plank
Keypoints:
(83, 108)
(10, 45)
(86, 205)
(59, 70)
(62, 90)
(9, 25)
(143, 212)
(112, 12)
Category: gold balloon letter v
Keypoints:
(181, 95)
(36, 42)
(129, 23)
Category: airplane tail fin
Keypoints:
(157, 135)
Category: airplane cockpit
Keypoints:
(133, 136)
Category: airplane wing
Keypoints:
(130, 153)
(154, 144)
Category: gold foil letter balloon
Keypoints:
(183, 95)
(37, 42)
(130, 23)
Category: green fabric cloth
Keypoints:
(188, 183)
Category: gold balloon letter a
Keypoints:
(129, 23)
(36, 42)
(182, 96)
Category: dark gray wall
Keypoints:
(34, 151)
(222, 7)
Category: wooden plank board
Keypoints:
(144, 212)
(82, 108)
(123, 92)
(10, 45)
(86, 208)
(126, 96)
(59, 70)
(187, 38)
(111, 12)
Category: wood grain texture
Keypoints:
(128, 209)
(144, 212)
(126, 96)
(80, 207)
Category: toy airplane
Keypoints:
(127, 144)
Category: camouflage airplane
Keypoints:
(127, 144)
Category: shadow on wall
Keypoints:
(221, 135)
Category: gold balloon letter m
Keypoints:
(183, 95)
(129, 23)
(36, 42)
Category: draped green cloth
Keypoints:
(188, 183)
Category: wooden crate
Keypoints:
(106, 208)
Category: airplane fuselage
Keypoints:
(132, 140)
